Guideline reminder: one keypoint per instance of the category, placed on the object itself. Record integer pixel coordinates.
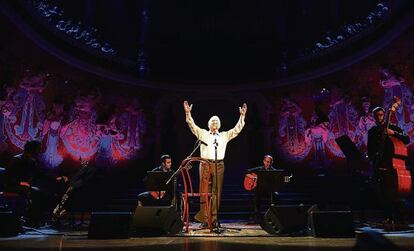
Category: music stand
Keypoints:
(156, 181)
(354, 157)
(358, 185)
(270, 181)
(348, 147)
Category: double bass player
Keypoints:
(382, 140)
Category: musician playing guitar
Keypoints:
(157, 197)
(387, 151)
(250, 183)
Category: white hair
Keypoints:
(210, 121)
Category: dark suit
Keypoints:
(374, 143)
(384, 175)
(258, 195)
(25, 169)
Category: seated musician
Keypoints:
(158, 198)
(380, 154)
(23, 176)
(267, 166)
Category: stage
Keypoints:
(250, 237)
(102, 101)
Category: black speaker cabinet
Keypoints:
(110, 225)
(331, 224)
(9, 224)
(156, 221)
(285, 219)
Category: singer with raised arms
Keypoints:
(213, 140)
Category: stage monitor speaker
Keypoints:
(331, 224)
(110, 225)
(285, 219)
(156, 221)
(9, 224)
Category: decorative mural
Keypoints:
(79, 135)
(25, 115)
(395, 85)
(366, 121)
(6, 111)
(304, 128)
(312, 141)
(132, 127)
(109, 151)
(317, 137)
(71, 134)
(343, 119)
(122, 136)
(292, 126)
(53, 155)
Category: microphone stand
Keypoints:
(218, 229)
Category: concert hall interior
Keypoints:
(210, 125)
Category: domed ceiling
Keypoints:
(179, 44)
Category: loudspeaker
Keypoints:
(110, 225)
(285, 219)
(156, 221)
(331, 224)
(9, 224)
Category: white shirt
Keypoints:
(222, 138)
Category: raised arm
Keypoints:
(197, 131)
(231, 134)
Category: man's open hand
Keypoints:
(187, 108)
(243, 109)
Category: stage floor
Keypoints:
(250, 237)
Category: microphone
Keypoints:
(202, 142)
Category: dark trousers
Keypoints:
(258, 199)
(387, 192)
(37, 202)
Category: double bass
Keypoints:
(393, 169)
